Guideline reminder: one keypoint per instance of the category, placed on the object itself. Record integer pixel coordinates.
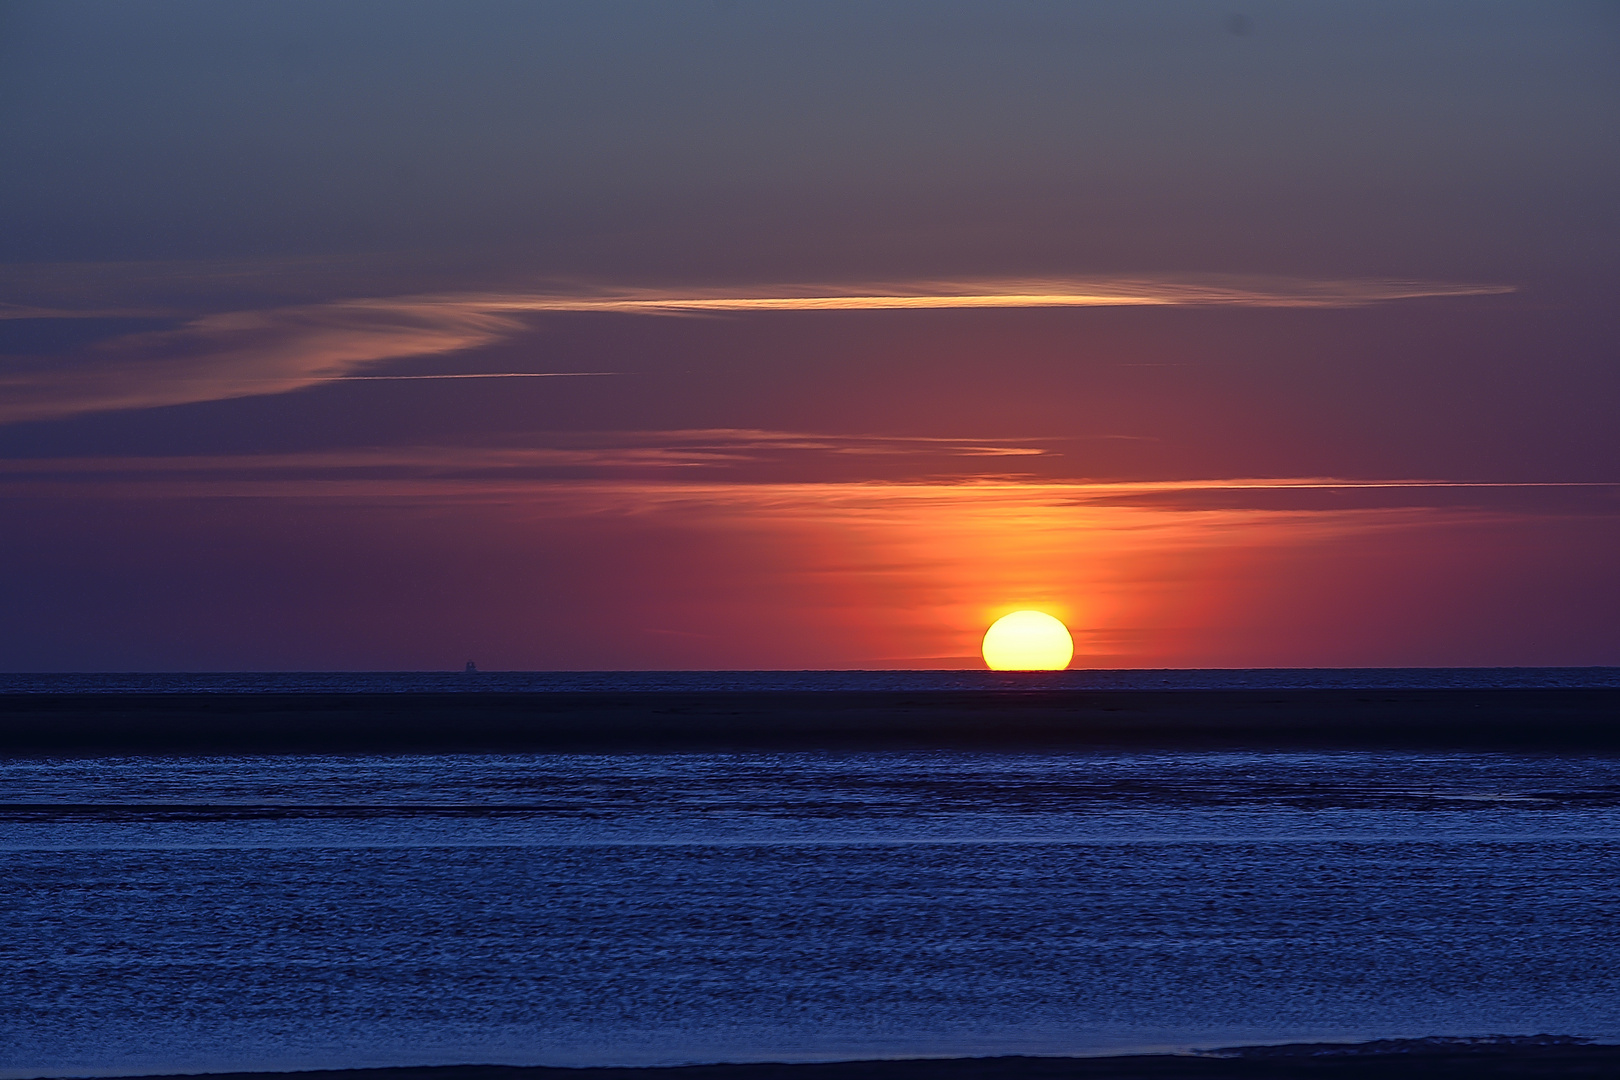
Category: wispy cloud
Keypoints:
(242, 354)
(998, 293)
(614, 455)
(252, 353)
(748, 467)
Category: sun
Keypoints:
(1028, 641)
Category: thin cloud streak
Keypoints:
(1001, 293)
(604, 453)
(280, 350)
(473, 375)
(713, 467)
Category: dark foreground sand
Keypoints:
(1528, 719)
(1396, 1059)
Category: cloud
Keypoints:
(736, 454)
(278, 350)
(470, 375)
(749, 469)
(245, 354)
(1001, 293)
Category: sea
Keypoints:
(203, 914)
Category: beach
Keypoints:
(1529, 1059)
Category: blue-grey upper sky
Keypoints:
(754, 138)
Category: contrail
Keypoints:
(476, 375)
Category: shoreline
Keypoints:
(1509, 1058)
(1527, 719)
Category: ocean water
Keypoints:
(195, 914)
(404, 682)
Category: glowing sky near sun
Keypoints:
(807, 334)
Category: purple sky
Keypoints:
(1234, 334)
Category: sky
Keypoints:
(786, 335)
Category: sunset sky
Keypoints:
(820, 334)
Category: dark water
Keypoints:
(698, 681)
(194, 914)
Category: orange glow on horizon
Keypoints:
(665, 575)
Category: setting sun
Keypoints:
(1028, 641)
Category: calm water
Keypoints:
(194, 914)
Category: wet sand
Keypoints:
(1415, 1059)
(1520, 719)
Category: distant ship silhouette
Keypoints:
(471, 668)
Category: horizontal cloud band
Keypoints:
(252, 353)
